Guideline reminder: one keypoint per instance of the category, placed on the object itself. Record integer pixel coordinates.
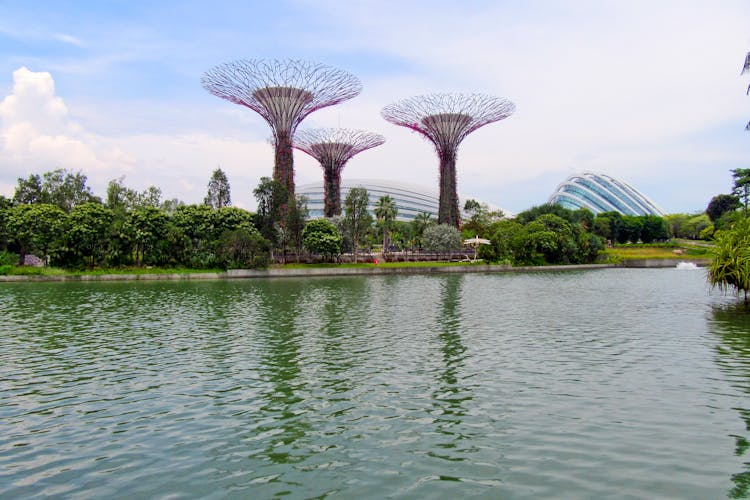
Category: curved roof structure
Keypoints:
(410, 199)
(603, 193)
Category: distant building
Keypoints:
(603, 193)
(410, 199)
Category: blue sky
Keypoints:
(646, 91)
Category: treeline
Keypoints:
(57, 217)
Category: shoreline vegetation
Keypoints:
(630, 256)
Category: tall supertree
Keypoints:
(445, 120)
(333, 148)
(283, 92)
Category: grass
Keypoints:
(658, 251)
(55, 271)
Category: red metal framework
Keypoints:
(445, 120)
(283, 92)
(333, 148)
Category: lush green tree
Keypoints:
(741, 178)
(5, 204)
(551, 239)
(121, 198)
(419, 224)
(357, 219)
(481, 219)
(548, 208)
(297, 215)
(218, 190)
(146, 226)
(242, 248)
(696, 226)
(441, 238)
(508, 243)
(320, 236)
(29, 191)
(272, 197)
(385, 212)
(37, 228)
(232, 218)
(653, 228)
(730, 266)
(89, 230)
(59, 187)
(721, 204)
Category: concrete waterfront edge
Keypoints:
(350, 271)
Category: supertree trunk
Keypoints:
(332, 187)
(283, 169)
(448, 212)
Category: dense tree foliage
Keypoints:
(59, 187)
(385, 212)
(741, 187)
(721, 204)
(218, 195)
(37, 229)
(357, 219)
(481, 220)
(730, 266)
(322, 237)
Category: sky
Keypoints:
(646, 91)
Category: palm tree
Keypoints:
(385, 211)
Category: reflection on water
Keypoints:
(573, 385)
(732, 324)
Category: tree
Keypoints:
(36, 228)
(242, 248)
(653, 228)
(442, 238)
(481, 219)
(730, 266)
(721, 204)
(741, 186)
(218, 190)
(89, 230)
(296, 218)
(29, 191)
(385, 211)
(5, 204)
(146, 227)
(320, 236)
(58, 187)
(271, 196)
(419, 224)
(357, 219)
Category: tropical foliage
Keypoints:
(730, 267)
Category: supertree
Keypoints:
(333, 148)
(445, 120)
(283, 92)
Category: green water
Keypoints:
(607, 383)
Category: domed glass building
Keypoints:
(410, 199)
(603, 193)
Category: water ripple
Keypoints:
(623, 383)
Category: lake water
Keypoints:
(588, 384)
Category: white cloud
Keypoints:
(38, 135)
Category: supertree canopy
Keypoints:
(445, 120)
(283, 92)
(333, 148)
